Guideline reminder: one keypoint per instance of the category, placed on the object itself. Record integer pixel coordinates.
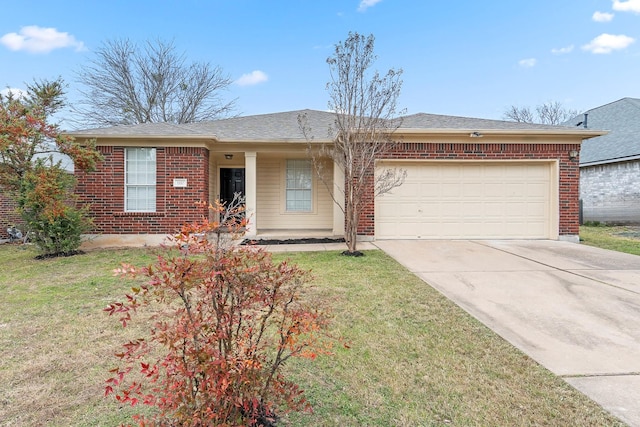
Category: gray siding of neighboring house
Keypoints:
(611, 192)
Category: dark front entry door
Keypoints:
(231, 182)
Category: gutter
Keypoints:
(609, 161)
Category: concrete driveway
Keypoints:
(573, 308)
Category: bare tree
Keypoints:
(129, 84)
(550, 113)
(519, 114)
(364, 103)
(553, 113)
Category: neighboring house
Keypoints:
(610, 164)
(466, 178)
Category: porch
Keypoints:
(284, 196)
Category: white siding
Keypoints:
(271, 204)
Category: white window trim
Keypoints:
(126, 185)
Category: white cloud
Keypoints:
(528, 63)
(252, 78)
(366, 4)
(602, 16)
(607, 43)
(627, 6)
(36, 39)
(17, 93)
(562, 50)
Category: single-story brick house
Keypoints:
(466, 178)
(610, 164)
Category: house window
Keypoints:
(140, 180)
(298, 186)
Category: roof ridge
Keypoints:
(627, 99)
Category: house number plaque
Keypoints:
(179, 182)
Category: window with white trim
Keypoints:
(140, 180)
(298, 188)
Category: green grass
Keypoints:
(415, 359)
(616, 238)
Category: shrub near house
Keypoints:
(226, 320)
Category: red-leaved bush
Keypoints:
(225, 320)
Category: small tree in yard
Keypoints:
(47, 205)
(27, 144)
(364, 103)
(225, 322)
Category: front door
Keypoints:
(231, 182)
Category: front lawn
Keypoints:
(616, 238)
(415, 359)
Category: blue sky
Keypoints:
(467, 58)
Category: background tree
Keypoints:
(28, 173)
(129, 84)
(550, 113)
(26, 134)
(364, 103)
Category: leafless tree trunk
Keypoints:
(364, 103)
(549, 113)
(127, 84)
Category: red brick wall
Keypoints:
(103, 190)
(8, 215)
(568, 174)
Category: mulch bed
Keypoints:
(59, 254)
(308, 240)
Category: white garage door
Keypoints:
(470, 200)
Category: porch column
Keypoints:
(338, 194)
(250, 192)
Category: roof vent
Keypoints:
(584, 122)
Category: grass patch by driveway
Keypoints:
(616, 238)
(415, 359)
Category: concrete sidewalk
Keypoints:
(574, 309)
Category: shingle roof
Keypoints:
(262, 127)
(284, 127)
(436, 121)
(275, 126)
(143, 129)
(622, 119)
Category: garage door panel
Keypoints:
(537, 189)
(408, 190)
(467, 200)
(400, 210)
(536, 210)
(473, 189)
